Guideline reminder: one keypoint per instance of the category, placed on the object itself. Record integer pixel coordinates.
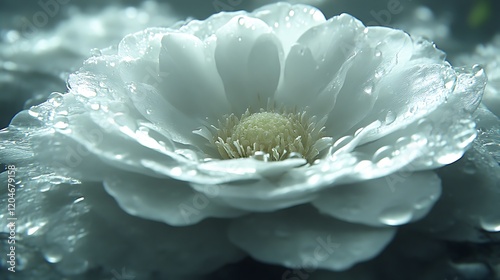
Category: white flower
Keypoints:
(279, 112)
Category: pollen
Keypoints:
(268, 135)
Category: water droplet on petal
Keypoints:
(341, 142)
(32, 112)
(295, 155)
(359, 131)
(55, 99)
(314, 179)
(379, 73)
(188, 154)
(95, 52)
(448, 155)
(122, 120)
(61, 122)
(33, 230)
(425, 126)
(382, 153)
(259, 155)
(44, 188)
(425, 202)
(176, 171)
(363, 166)
(53, 254)
(95, 106)
(491, 224)
(368, 89)
(397, 215)
(477, 70)
(390, 117)
(87, 92)
(241, 21)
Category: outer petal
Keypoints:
(301, 237)
(413, 92)
(241, 44)
(423, 137)
(468, 209)
(79, 227)
(391, 200)
(164, 200)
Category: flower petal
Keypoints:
(176, 125)
(315, 63)
(248, 84)
(393, 200)
(289, 22)
(357, 95)
(378, 52)
(468, 209)
(410, 94)
(434, 133)
(189, 77)
(301, 237)
(79, 227)
(165, 200)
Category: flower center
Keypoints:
(266, 135)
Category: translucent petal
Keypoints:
(155, 108)
(164, 200)
(241, 43)
(189, 77)
(467, 210)
(393, 200)
(314, 71)
(357, 95)
(411, 93)
(445, 129)
(289, 22)
(301, 237)
(80, 227)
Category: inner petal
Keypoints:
(316, 60)
(188, 76)
(289, 22)
(248, 57)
